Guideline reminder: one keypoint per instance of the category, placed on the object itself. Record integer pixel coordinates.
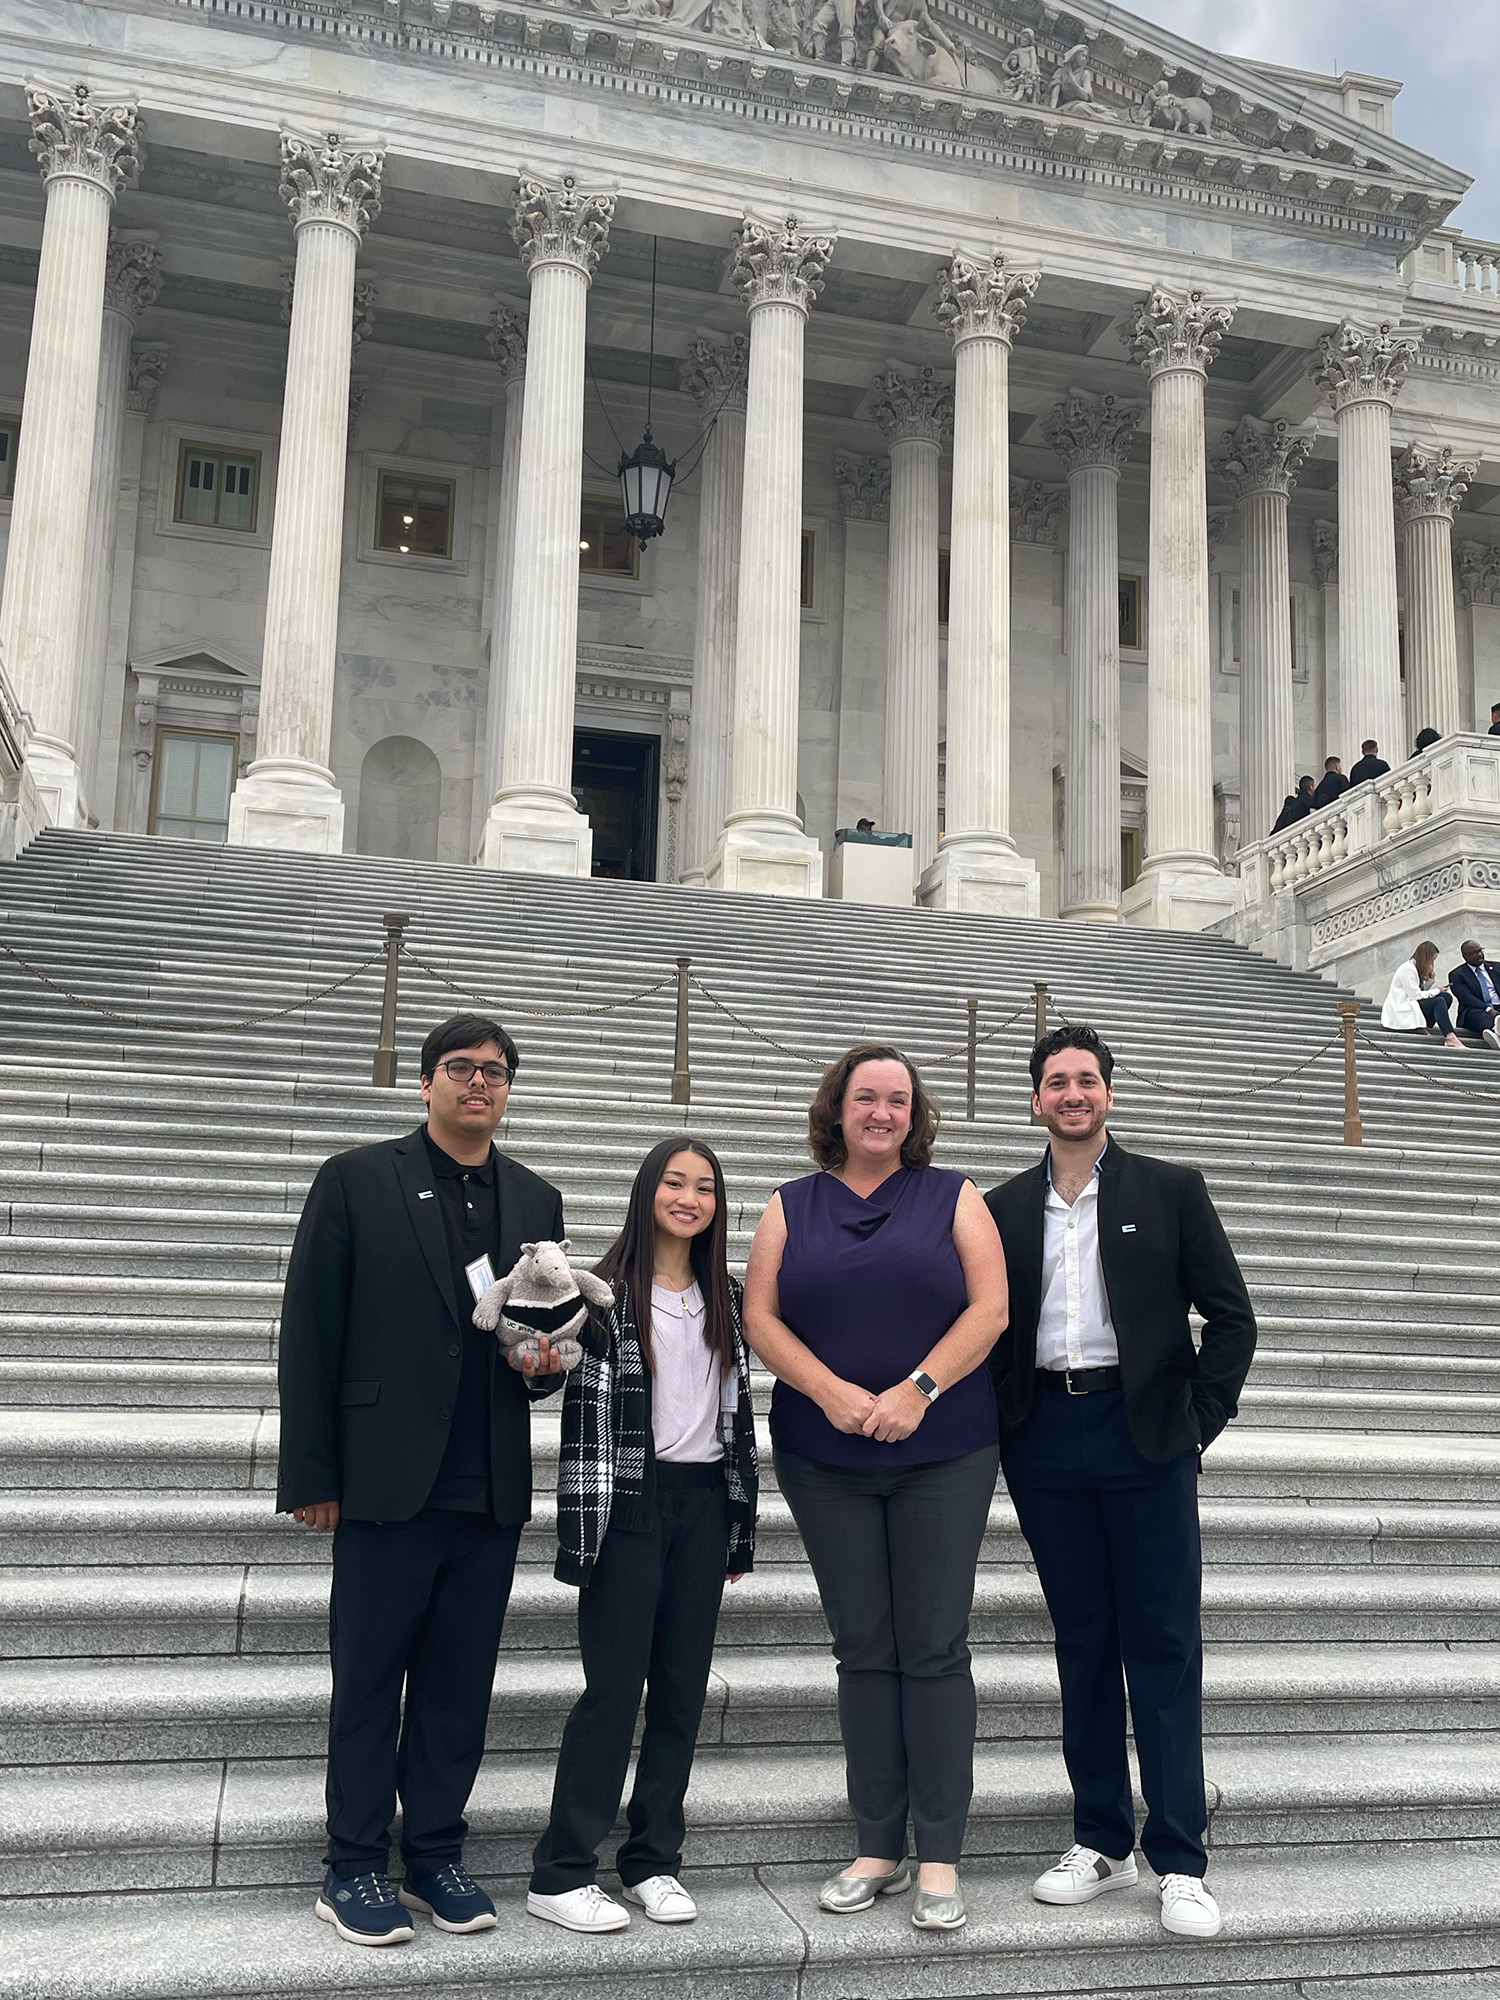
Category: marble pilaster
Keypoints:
(506, 340)
(777, 268)
(715, 373)
(1261, 462)
(1175, 338)
(1361, 373)
(914, 410)
(977, 867)
(1092, 435)
(1430, 487)
(86, 151)
(288, 797)
(534, 823)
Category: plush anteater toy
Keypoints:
(543, 1294)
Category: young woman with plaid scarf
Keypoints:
(656, 1498)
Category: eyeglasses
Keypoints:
(462, 1070)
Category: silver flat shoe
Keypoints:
(844, 1895)
(934, 1912)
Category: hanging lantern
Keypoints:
(645, 487)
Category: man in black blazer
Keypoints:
(1105, 1406)
(404, 1432)
(1332, 785)
(1371, 764)
(1475, 986)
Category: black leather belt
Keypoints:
(1078, 1381)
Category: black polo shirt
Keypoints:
(471, 1222)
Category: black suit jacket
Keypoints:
(1468, 994)
(371, 1339)
(1332, 785)
(1368, 767)
(1162, 1248)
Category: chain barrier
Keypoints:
(192, 1027)
(534, 1013)
(1213, 1096)
(1389, 1055)
(822, 1062)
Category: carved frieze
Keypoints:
(778, 263)
(77, 135)
(558, 225)
(1258, 457)
(1168, 331)
(978, 298)
(1358, 366)
(1430, 485)
(326, 181)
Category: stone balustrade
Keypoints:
(1447, 261)
(1351, 889)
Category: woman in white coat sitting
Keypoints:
(1416, 1003)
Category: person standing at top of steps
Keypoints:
(656, 1494)
(1105, 1408)
(874, 1292)
(404, 1432)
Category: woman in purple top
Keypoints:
(875, 1290)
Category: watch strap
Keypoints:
(925, 1383)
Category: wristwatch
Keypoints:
(925, 1383)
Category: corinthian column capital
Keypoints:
(1168, 332)
(1358, 367)
(1257, 457)
(776, 263)
(1430, 485)
(558, 225)
(1092, 430)
(506, 340)
(715, 372)
(132, 274)
(324, 181)
(78, 137)
(978, 299)
(911, 403)
(148, 364)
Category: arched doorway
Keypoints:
(400, 798)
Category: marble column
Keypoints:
(1175, 338)
(534, 823)
(1362, 374)
(1430, 488)
(914, 410)
(506, 341)
(86, 150)
(288, 797)
(1092, 435)
(1261, 462)
(777, 269)
(977, 866)
(715, 373)
(131, 284)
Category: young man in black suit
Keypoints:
(1371, 764)
(1105, 1406)
(1332, 785)
(404, 1432)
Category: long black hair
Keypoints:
(630, 1260)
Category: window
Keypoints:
(10, 434)
(414, 517)
(217, 489)
(604, 548)
(194, 777)
(809, 575)
(945, 580)
(1131, 637)
(1130, 856)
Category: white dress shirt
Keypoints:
(1074, 1329)
(685, 1384)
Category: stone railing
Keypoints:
(1416, 851)
(1446, 261)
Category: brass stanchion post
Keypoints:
(1354, 1131)
(682, 1080)
(1039, 986)
(973, 1055)
(384, 1072)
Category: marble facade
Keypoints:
(1065, 303)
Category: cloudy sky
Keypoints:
(1446, 53)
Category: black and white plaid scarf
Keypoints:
(605, 1468)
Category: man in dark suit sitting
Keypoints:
(1475, 986)
(1105, 1408)
(404, 1432)
(1332, 785)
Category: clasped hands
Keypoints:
(888, 1417)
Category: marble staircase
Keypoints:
(162, 1685)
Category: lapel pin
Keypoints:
(1127, 1229)
(424, 1194)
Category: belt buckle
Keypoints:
(1068, 1382)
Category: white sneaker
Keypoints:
(1492, 1038)
(664, 1900)
(1187, 1908)
(586, 1909)
(1083, 1874)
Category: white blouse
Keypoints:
(686, 1382)
(1401, 1009)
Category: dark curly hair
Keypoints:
(1074, 1036)
(825, 1132)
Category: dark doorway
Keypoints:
(614, 780)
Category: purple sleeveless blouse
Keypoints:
(871, 1286)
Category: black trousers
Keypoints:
(646, 1619)
(894, 1550)
(1434, 1008)
(417, 1606)
(1118, 1553)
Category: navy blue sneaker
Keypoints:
(451, 1897)
(363, 1909)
